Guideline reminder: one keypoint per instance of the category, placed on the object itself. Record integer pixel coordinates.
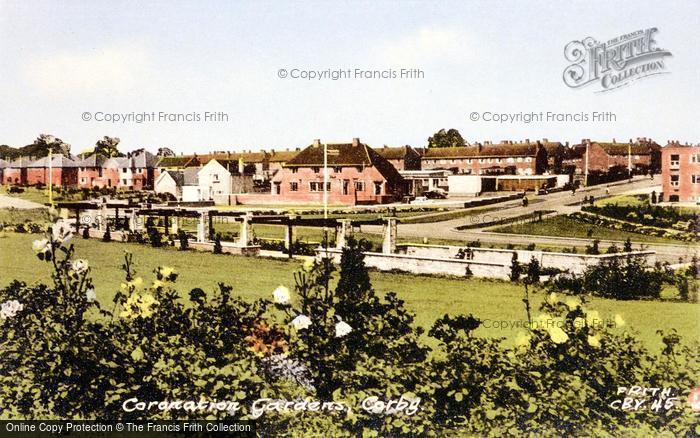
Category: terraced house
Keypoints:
(504, 158)
(640, 156)
(357, 174)
(63, 171)
(402, 157)
(680, 172)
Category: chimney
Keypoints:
(545, 140)
(356, 141)
(317, 142)
(478, 147)
(567, 144)
(614, 141)
(527, 140)
(298, 149)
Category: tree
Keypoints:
(515, 268)
(446, 139)
(217, 244)
(165, 152)
(533, 271)
(107, 147)
(44, 142)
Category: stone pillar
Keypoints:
(202, 231)
(244, 235)
(133, 220)
(343, 233)
(389, 244)
(289, 238)
(103, 217)
(175, 225)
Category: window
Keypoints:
(294, 186)
(317, 169)
(316, 186)
(123, 169)
(696, 179)
(124, 181)
(277, 188)
(695, 158)
(359, 186)
(520, 159)
(346, 187)
(377, 188)
(295, 169)
(675, 180)
(337, 169)
(675, 160)
(528, 160)
(215, 176)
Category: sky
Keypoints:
(65, 61)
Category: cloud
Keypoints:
(425, 46)
(105, 70)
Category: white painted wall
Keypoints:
(166, 184)
(464, 184)
(214, 179)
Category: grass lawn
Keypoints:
(428, 297)
(563, 226)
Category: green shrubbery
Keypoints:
(65, 355)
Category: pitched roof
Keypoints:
(143, 159)
(520, 149)
(93, 160)
(247, 157)
(57, 161)
(393, 153)
(179, 161)
(614, 148)
(185, 177)
(345, 154)
(3, 163)
(281, 156)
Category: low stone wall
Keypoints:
(426, 265)
(575, 263)
(227, 248)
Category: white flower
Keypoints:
(90, 295)
(79, 266)
(41, 245)
(60, 235)
(301, 322)
(10, 308)
(308, 265)
(341, 329)
(281, 295)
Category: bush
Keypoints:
(217, 244)
(67, 356)
(516, 268)
(184, 240)
(107, 236)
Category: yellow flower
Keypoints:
(137, 281)
(157, 284)
(593, 319)
(594, 341)
(573, 303)
(542, 321)
(619, 322)
(522, 340)
(553, 298)
(557, 335)
(308, 265)
(579, 322)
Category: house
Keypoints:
(90, 171)
(16, 171)
(175, 181)
(178, 162)
(402, 158)
(277, 159)
(417, 182)
(680, 172)
(3, 165)
(136, 171)
(638, 157)
(356, 174)
(220, 178)
(506, 157)
(556, 152)
(250, 163)
(57, 170)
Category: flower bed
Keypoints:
(615, 224)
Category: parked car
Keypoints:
(435, 194)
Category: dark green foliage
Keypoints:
(107, 236)
(516, 268)
(184, 240)
(446, 139)
(217, 244)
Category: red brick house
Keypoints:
(640, 156)
(357, 174)
(16, 171)
(62, 172)
(90, 171)
(680, 172)
(556, 152)
(402, 158)
(504, 158)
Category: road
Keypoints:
(11, 202)
(555, 202)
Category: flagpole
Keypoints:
(325, 195)
(50, 178)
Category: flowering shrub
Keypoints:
(67, 356)
(632, 227)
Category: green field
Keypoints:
(562, 226)
(428, 297)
